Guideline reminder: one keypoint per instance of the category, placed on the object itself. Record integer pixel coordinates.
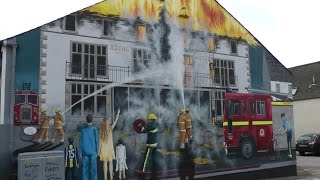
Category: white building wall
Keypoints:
(58, 52)
(306, 116)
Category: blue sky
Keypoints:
(289, 29)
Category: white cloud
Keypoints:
(287, 28)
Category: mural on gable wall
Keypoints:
(182, 85)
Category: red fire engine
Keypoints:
(248, 123)
(26, 108)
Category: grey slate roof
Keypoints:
(303, 77)
(277, 71)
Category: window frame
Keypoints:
(258, 108)
(278, 87)
(81, 92)
(83, 54)
(222, 70)
(235, 43)
(137, 61)
(64, 25)
(113, 28)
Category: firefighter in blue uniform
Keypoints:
(151, 146)
(71, 160)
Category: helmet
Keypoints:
(151, 116)
(182, 111)
(187, 110)
(57, 110)
(43, 110)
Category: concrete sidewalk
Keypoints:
(304, 173)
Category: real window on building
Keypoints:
(89, 60)
(224, 73)
(141, 59)
(234, 48)
(108, 27)
(70, 23)
(277, 87)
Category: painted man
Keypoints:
(286, 126)
(44, 126)
(188, 125)
(58, 123)
(151, 146)
(182, 128)
(89, 145)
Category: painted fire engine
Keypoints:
(248, 123)
(26, 108)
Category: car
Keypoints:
(308, 143)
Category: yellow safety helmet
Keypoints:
(187, 110)
(182, 111)
(57, 110)
(43, 110)
(151, 116)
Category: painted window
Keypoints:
(141, 32)
(261, 108)
(95, 105)
(108, 27)
(252, 108)
(20, 99)
(219, 100)
(224, 73)
(234, 48)
(244, 108)
(141, 59)
(70, 23)
(33, 99)
(89, 60)
(277, 87)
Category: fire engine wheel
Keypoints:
(247, 148)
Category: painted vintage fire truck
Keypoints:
(26, 108)
(248, 123)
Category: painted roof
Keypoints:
(303, 78)
(199, 15)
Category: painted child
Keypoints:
(71, 157)
(121, 159)
(106, 150)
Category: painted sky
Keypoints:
(288, 28)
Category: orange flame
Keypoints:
(199, 15)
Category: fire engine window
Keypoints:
(32, 99)
(244, 108)
(252, 109)
(19, 99)
(26, 114)
(236, 108)
(261, 108)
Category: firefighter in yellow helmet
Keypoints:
(151, 146)
(44, 125)
(182, 128)
(58, 123)
(188, 125)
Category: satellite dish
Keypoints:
(30, 131)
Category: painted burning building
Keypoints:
(148, 56)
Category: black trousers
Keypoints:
(150, 161)
(71, 173)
